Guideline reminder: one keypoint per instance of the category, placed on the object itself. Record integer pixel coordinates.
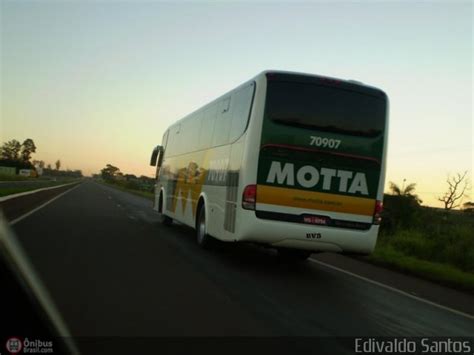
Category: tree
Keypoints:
(11, 150)
(58, 164)
(457, 186)
(407, 191)
(401, 208)
(110, 172)
(27, 148)
(49, 167)
(468, 206)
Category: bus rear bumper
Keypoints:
(307, 245)
(309, 237)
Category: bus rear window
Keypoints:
(325, 108)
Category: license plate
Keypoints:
(320, 220)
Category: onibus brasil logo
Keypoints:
(15, 345)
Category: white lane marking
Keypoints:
(41, 206)
(394, 289)
(25, 193)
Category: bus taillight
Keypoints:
(249, 197)
(378, 212)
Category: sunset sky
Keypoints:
(97, 82)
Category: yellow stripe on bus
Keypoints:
(314, 200)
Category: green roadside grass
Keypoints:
(441, 273)
(16, 190)
(4, 177)
(64, 179)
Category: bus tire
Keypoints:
(203, 239)
(293, 255)
(164, 219)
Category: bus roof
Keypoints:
(298, 76)
(321, 79)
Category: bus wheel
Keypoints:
(287, 254)
(203, 239)
(165, 220)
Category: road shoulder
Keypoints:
(417, 287)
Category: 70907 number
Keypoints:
(324, 142)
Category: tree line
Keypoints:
(18, 155)
(402, 206)
(458, 186)
(431, 234)
(112, 174)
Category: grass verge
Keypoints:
(4, 177)
(15, 190)
(387, 256)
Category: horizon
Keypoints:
(98, 83)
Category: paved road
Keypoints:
(114, 270)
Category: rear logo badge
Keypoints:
(308, 177)
(313, 235)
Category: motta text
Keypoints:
(308, 176)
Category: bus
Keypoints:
(289, 160)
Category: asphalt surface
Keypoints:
(113, 270)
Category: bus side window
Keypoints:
(207, 127)
(173, 140)
(177, 138)
(241, 111)
(164, 141)
(223, 122)
(184, 137)
(193, 125)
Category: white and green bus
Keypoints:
(293, 161)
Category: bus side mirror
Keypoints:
(154, 155)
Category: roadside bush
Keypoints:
(400, 212)
(459, 247)
(415, 243)
(461, 256)
(448, 243)
(430, 242)
(131, 184)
